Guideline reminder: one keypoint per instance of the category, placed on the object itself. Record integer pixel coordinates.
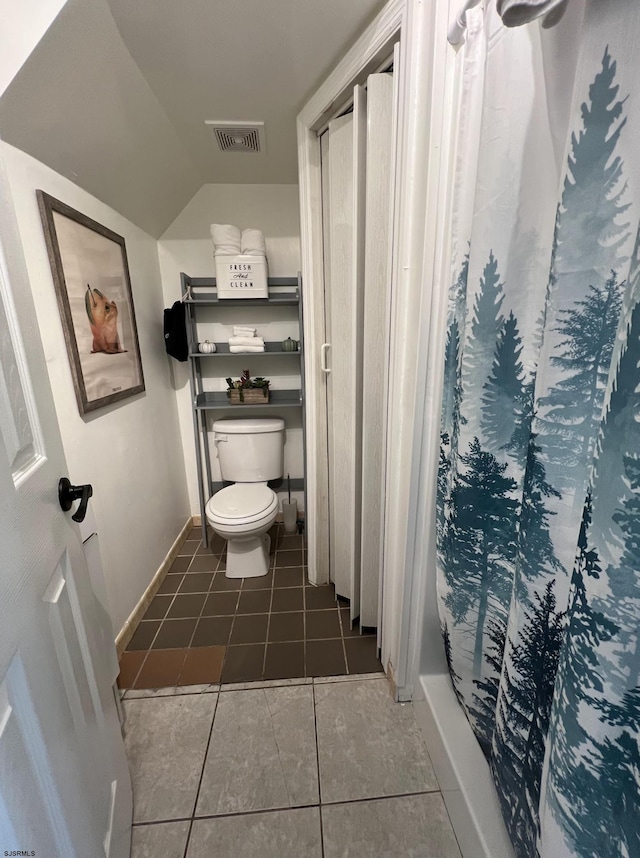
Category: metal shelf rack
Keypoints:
(198, 292)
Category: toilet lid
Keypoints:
(242, 500)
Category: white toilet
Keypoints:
(250, 452)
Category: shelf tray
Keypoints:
(210, 297)
(279, 300)
(278, 399)
(222, 350)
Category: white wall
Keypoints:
(186, 246)
(130, 452)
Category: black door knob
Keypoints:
(67, 494)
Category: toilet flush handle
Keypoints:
(219, 438)
(324, 348)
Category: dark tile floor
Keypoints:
(203, 627)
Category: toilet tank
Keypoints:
(251, 450)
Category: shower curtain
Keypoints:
(538, 500)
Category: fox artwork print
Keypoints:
(103, 321)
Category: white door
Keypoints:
(65, 789)
(347, 157)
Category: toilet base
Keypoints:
(248, 558)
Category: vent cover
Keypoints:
(238, 136)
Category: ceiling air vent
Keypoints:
(238, 136)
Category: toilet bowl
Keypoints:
(242, 514)
(250, 452)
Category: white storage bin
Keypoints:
(241, 277)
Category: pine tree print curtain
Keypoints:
(538, 508)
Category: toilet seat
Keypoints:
(242, 504)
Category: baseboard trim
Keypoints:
(461, 770)
(127, 631)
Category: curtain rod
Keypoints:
(459, 24)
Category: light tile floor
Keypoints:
(322, 768)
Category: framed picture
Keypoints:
(91, 278)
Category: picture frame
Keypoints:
(93, 289)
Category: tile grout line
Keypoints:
(315, 731)
(273, 588)
(174, 692)
(266, 633)
(238, 813)
(381, 797)
(204, 763)
(286, 808)
(233, 619)
(292, 640)
(160, 822)
(292, 682)
(142, 663)
(193, 556)
(344, 647)
(247, 613)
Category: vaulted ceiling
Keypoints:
(116, 94)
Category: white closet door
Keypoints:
(347, 146)
(377, 275)
(326, 247)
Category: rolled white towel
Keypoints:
(252, 242)
(240, 350)
(514, 13)
(240, 331)
(226, 239)
(246, 341)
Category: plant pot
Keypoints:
(250, 396)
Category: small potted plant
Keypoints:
(247, 390)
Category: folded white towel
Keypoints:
(226, 239)
(241, 331)
(246, 341)
(239, 350)
(514, 13)
(252, 242)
